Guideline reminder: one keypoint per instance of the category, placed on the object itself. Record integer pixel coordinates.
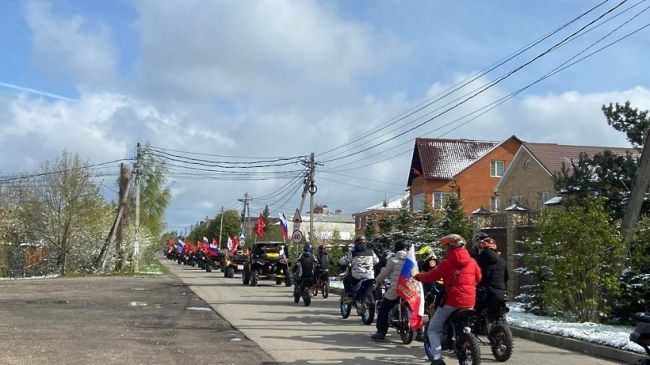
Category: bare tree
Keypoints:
(69, 202)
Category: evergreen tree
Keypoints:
(579, 255)
(370, 231)
(456, 220)
(632, 122)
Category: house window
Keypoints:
(527, 164)
(440, 200)
(495, 204)
(517, 199)
(418, 203)
(545, 196)
(358, 223)
(497, 167)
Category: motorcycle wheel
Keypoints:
(231, 272)
(296, 295)
(208, 267)
(245, 277)
(306, 297)
(314, 289)
(287, 280)
(404, 329)
(345, 309)
(254, 277)
(472, 348)
(326, 289)
(501, 342)
(368, 310)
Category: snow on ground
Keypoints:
(614, 336)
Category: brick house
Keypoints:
(529, 178)
(469, 169)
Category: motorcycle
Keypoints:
(398, 317)
(322, 284)
(493, 325)
(641, 335)
(457, 335)
(301, 290)
(363, 301)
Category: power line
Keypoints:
(467, 80)
(482, 89)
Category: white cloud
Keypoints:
(68, 49)
(259, 50)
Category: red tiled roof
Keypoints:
(553, 155)
(444, 158)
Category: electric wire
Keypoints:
(481, 90)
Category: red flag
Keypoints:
(260, 226)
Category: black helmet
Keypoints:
(361, 239)
(481, 236)
(308, 248)
(402, 245)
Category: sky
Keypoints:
(354, 82)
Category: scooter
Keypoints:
(641, 335)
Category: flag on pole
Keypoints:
(232, 246)
(214, 247)
(411, 290)
(284, 226)
(260, 226)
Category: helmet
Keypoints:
(453, 240)
(402, 245)
(308, 248)
(488, 243)
(480, 236)
(426, 250)
(361, 239)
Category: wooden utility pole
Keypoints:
(122, 220)
(221, 226)
(136, 244)
(639, 189)
(246, 213)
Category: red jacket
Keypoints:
(462, 293)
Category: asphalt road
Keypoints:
(294, 334)
(115, 320)
(160, 320)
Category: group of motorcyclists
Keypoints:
(461, 273)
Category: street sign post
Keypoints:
(297, 236)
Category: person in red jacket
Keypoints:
(460, 274)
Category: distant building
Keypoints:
(378, 211)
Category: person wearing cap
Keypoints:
(362, 261)
(460, 274)
(494, 270)
(474, 250)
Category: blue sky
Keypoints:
(286, 78)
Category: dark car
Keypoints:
(267, 261)
(232, 264)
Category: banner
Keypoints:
(411, 290)
(260, 226)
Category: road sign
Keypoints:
(296, 217)
(296, 236)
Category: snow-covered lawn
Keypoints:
(614, 336)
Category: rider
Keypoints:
(323, 258)
(392, 270)
(361, 260)
(305, 264)
(474, 250)
(495, 277)
(460, 273)
(427, 261)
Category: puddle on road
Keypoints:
(144, 305)
(47, 302)
(235, 339)
(202, 309)
(138, 289)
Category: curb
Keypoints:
(587, 348)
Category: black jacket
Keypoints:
(323, 261)
(307, 264)
(495, 273)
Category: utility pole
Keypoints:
(221, 226)
(639, 189)
(246, 212)
(311, 188)
(123, 201)
(136, 244)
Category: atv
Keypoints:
(267, 261)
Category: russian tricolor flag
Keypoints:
(411, 290)
(284, 226)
